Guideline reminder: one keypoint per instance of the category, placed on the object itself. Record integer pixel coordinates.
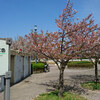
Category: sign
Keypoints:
(4, 57)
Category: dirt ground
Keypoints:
(36, 84)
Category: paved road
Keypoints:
(36, 84)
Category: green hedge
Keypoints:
(80, 64)
(99, 62)
(38, 65)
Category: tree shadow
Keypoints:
(74, 88)
(83, 78)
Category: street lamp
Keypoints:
(35, 30)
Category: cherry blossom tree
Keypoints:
(66, 44)
(18, 44)
(92, 50)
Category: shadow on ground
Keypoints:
(71, 84)
(83, 78)
(68, 87)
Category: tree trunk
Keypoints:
(61, 82)
(96, 71)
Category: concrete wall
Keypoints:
(26, 72)
(20, 67)
(1, 83)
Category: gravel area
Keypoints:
(36, 84)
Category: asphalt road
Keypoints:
(36, 84)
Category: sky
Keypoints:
(18, 17)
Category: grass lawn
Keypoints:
(54, 96)
(91, 85)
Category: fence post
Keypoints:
(7, 74)
(7, 85)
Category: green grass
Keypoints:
(54, 96)
(91, 85)
(80, 64)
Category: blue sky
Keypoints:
(18, 17)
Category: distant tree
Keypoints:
(18, 44)
(63, 45)
(92, 50)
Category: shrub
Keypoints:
(80, 64)
(99, 62)
(37, 66)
